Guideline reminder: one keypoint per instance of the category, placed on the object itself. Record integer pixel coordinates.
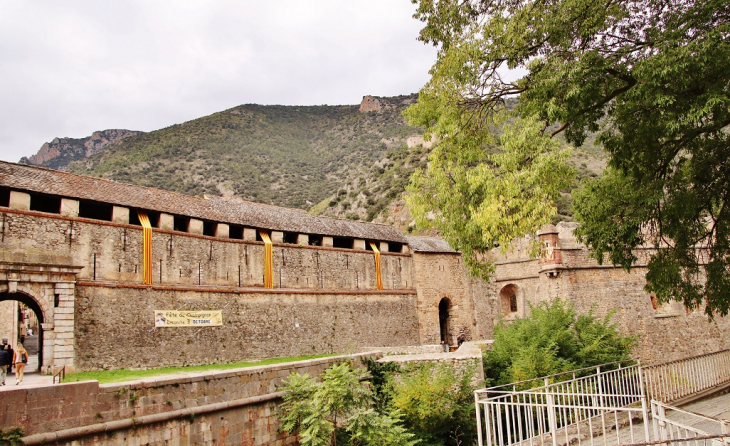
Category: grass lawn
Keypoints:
(113, 376)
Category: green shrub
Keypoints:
(338, 410)
(437, 403)
(11, 436)
(553, 339)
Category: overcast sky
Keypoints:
(68, 68)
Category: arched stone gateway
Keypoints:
(46, 284)
(9, 322)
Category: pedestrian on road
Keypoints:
(4, 362)
(11, 355)
(20, 359)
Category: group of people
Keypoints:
(10, 358)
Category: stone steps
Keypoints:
(31, 344)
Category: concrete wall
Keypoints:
(236, 407)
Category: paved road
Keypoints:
(31, 377)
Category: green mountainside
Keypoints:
(345, 161)
(292, 156)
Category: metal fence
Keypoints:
(597, 405)
(704, 440)
(674, 380)
(682, 427)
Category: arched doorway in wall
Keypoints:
(509, 301)
(13, 315)
(444, 316)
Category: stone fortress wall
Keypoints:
(666, 332)
(76, 260)
(115, 326)
(8, 317)
(325, 299)
(237, 406)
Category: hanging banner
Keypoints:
(268, 260)
(378, 276)
(193, 318)
(146, 248)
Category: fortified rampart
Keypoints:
(324, 294)
(94, 259)
(108, 251)
(218, 407)
(325, 298)
(116, 327)
(666, 332)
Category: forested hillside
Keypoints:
(348, 161)
(293, 156)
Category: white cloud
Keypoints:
(69, 68)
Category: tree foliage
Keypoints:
(486, 194)
(553, 339)
(437, 403)
(650, 77)
(425, 404)
(338, 409)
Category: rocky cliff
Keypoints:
(378, 104)
(59, 152)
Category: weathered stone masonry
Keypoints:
(116, 329)
(218, 407)
(568, 272)
(325, 297)
(328, 292)
(72, 250)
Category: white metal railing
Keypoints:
(600, 405)
(685, 427)
(704, 440)
(674, 380)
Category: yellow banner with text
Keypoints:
(183, 318)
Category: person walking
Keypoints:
(11, 356)
(20, 358)
(4, 362)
